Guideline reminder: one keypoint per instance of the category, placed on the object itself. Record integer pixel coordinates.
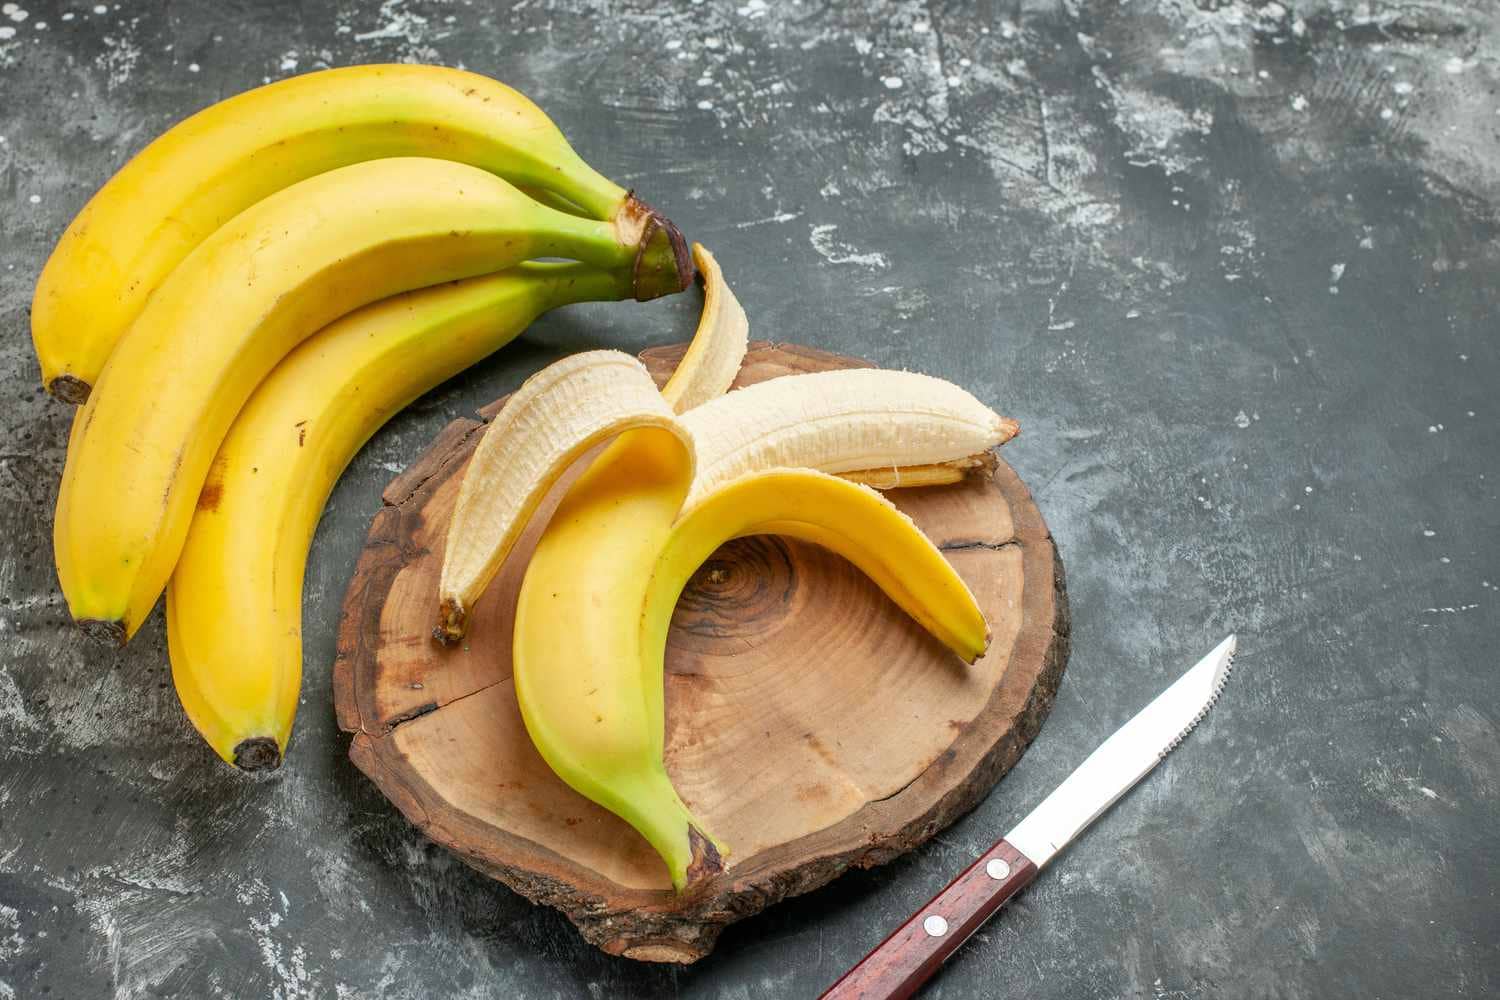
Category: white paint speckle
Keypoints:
(1428, 792)
(1299, 103)
(1242, 420)
(1455, 65)
(705, 105)
(35, 199)
(1386, 114)
(1403, 87)
(1335, 274)
(193, 67)
(892, 82)
(1444, 559)
(1428, 533)
(837, 252)
(7, 32)
(99, 8)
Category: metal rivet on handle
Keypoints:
(935, 926)
(997, 869)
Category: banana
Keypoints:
(597, 596)
(597, 599)
(575, 653)
(555, 417)
(205, 170)
(852, 520)
(840, 421)
(276, 273)
(234, 603)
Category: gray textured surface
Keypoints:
(1233, 266)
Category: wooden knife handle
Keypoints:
(899, 966)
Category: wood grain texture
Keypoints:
(810, 724)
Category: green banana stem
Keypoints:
(648, 802)
(649, 245)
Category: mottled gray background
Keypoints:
(1233, 265)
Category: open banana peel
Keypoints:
(597, 598)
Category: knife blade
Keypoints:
(906, 959)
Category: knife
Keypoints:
(899, 966)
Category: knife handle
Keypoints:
(899, 966)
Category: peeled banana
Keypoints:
(273, 275)
(555, 417)
(840, 421)
(234, 604)
(208, 168)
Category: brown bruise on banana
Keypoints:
(70, 389)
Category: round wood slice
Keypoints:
(810, 724)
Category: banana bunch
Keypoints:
(255, 293)
(685, 470)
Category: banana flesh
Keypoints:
(210, 167)
(840, 421)
(234, 603)
(275, 274)
(557, 415)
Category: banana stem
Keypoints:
(639, 241)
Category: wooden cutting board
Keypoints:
(809, 722)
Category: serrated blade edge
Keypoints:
(1124, 759)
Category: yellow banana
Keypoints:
(597, 599)
(576, 652)
(208, 168)
(597, 595)
(234, 604)
(276, 273)
(554, 418)
(852, 520)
